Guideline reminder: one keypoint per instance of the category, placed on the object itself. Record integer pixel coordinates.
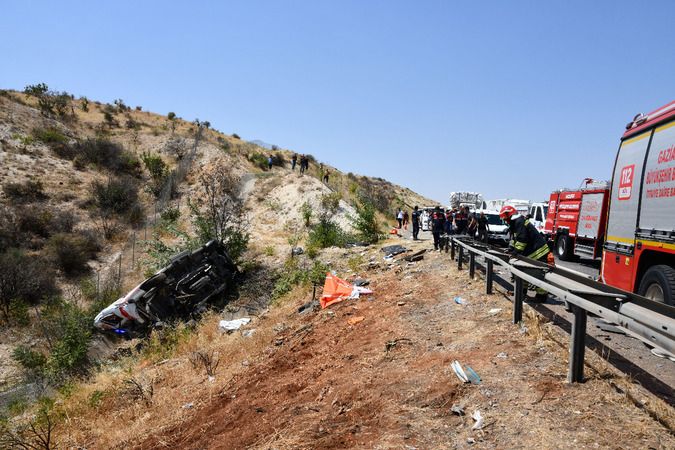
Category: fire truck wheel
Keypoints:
(658, 284)
(563, 247)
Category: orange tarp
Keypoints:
(335, 290)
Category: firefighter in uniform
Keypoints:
(415, 217)
(437, 226)
(526, 241)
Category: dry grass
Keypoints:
(175, 384)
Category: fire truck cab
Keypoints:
(639, 249)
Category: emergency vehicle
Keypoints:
(639, 249)
(576, 220)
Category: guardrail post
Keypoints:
(452, 249)
(518, 295)
(577, 346)
(488, 276)
(460, 257)
(472, 264)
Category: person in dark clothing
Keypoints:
(483, 228)
(415, 217)
(326, 175)
(461, 219)
(472, 226)
(270, 161)
(303, 159)
(294, 161)
(437, 226)
(526, 241)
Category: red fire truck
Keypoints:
(639, 249)
(576, 220)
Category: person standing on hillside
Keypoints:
(294, 161)
(325, 176)
(399, 218)
(302, 163)
(270, 160)
(415, 223)
(406, 219)
(437, 226)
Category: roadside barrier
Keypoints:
(650, 321)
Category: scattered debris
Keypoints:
(457, 409)
(460, 301)
(457, 368)
(297, 251)
(188, 406)
(470, 440)
(479, 420)
(465, 374)
(231, 325)
(393, 250)
(355, 320)
(391, 344)
(248, 333)
(417, 256)
(400, 304)
(309, 306)
(336, 290)
(494, 311)
(361, 282)
(502, 355)
(609, 327)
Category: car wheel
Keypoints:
(658, 284)
(563, 247)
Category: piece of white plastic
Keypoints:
(479, 420)
(231, 325)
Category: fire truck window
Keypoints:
(539, 218)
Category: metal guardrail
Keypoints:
(651, 322)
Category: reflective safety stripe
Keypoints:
(541, 251)
(520, 245)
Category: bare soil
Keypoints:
(386, 381)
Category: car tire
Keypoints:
(658, 284)
(563, 247)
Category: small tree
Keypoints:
(222, 217)
(172, 120)
(365, 222)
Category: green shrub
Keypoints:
(29, 359)
(44, 222)
(306, 211)
(28, 191)
(101, 153)
(326, 233)
(155, 165)
(49, 135)
(331, 202)
(170, 215)
(365, 222)
(117, 195)
(70, 253)
(259, 160)
(70, 330)
(27, 278)
(292, 274)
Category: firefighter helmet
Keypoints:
(507, 212)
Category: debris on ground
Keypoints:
(479, 420)
(354, 320)
(466, 374)
(232, 325)
(336, 289)
(460, 301)
(494, 311)
(457, 409)
(502, 355)
(417, 256)
(609, 327)
(248, 333)
(391, 344)
(393, 250)
(309, 306)
(400, 303)
(297, 251)
(361, 282)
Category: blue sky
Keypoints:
(508, 98)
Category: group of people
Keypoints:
(526, 240)
(304, 162)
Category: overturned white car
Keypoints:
(181, 289)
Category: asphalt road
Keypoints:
(628, 354)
